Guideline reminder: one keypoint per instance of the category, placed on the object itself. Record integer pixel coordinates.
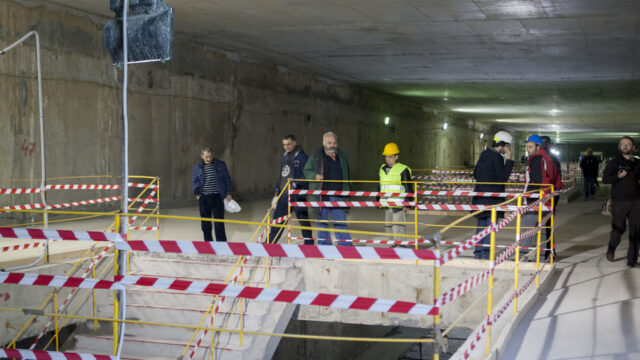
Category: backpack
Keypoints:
(550, 173)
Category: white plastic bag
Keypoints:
(231, 206)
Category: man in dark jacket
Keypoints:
(211, 183)
(291, 167)
(590, 166)
(541, 170)
(623, 173)
(330, 163)
(491, 168)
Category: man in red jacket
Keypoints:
(541, 170)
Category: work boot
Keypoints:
(610, 255)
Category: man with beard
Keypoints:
(330, 163)
(491, 167)
(541, 170)
(623, 173)
(291, 167)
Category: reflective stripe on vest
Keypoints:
(392, 182)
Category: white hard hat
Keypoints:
(502, 136)
(231, 206)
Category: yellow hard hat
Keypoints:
(391, 149)
(589, 149)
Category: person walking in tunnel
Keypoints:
(211, 183)
(394, 178)
(589, 165)
(623, 173)
(330, 163)
(541, 170)
(494, 166)
(292, 165)
(546, 145)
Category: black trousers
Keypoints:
(212, 205)
(621, 211)
(548, 225)
(301, 213)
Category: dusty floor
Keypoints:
(592, 307)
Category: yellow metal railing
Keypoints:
(265, 225)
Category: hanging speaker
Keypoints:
(149, 31)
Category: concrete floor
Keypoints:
(592, 307)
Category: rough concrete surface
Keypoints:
(238, 105)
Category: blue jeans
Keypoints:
(337, 214)
(483, 252)
(589, 186)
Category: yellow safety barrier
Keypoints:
(267, 226)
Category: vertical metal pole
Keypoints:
(289, 211)
(55, 319)
(241, 305)
(119, 258)
(43, 181)
(95, 311)
(552, 232)
(115, 306)
(415, 220)
(540, 205)
(492, 255)
(517, 268)
(158, 209)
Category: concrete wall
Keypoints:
(238, 105)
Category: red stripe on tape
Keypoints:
(387, 253)
(324, 299)
(239, 248)
(349, 252)
(311, 251)
(250, 292)
(287, 296)
(362, 303)
(170, 246)
(203, 247)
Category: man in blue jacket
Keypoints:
(211, 183)
(491, 167)
(291, 167)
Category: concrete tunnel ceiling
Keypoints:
(567, 66)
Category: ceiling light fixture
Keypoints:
(554, 111)
(444, 126)
(387, 120)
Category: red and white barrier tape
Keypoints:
(141, 208)
(479, 335)
(420, 192)
(349, 203)
(445, 207)
(49, 355)
(21, 247)
(475, 238)
(71, 204)
(48, 234)
(468, 284)
(68, 298)
(220, 300)
(245, 292)
(277, 250)
(13, 191)
(458, 207)
(144, 228)
(382, 242)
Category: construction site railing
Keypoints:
(416, 253)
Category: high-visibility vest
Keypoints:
(392, 183)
